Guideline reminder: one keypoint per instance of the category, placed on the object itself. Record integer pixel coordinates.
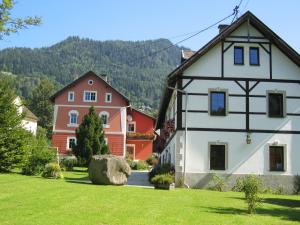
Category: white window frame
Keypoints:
(73, 124)
(89, 92)
(226, 100)
(106, 95)
(68, 142)
(226, 156)
(69, 99)
(284, 159)
(283, 93)
(134, 123)
(107, 114)
(106, 140)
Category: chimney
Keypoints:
(222, 27)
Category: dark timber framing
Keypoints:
(179, 105)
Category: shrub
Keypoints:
(141, 165)
(68, 162)
(297, 184)
(251, 188)
(39, 155)
(165, 179)
(161, 169)
(279, 190)
(137, 165)
(217, 183)
(52, 170)
(152, 160)
(239, 185)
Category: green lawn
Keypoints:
(35, 200)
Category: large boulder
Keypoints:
(108, 169)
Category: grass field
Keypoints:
(35, 200)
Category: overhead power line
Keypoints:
(234, 13)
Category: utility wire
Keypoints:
(185, 39)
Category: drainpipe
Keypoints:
(185, 132)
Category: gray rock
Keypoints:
(108, 169)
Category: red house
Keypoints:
(73, 101)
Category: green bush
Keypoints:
(239, 185)
(40, 154)
(152, 160)
(161, 169)
(68, 162)
(137, 165)
(251, 187)
(52, 170)
(165, 179)
(217, 183)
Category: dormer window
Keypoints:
(108, 97)
(254, 56)
(89, 96)
(238, 55)
(71, 96)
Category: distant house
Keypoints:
(233, 108)
(140, 134)
(73, 101)
(30, 120)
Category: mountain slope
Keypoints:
(138, 77)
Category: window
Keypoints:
(276, 104)
(218, 102)
(238, 55)
(107, 97)
(276, 158)
(254, 56)
(73, 115)
(104, 117)
(106, 141)
(217, 156)
(131, 127)
(71, 96)
(71, 142)
(90, 96)
(90, 82)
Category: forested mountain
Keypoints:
(138, 77)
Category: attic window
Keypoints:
(238, 55)
(90, 82)
(254, 56)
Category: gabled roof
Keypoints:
(29, 115)
(52, 98)
(141, 112)
(247, 17)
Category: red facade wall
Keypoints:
(143, 124)
(62, 129)
(143, 148)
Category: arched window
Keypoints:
(73, 118)
(105, 119)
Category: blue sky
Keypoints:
(145, 19)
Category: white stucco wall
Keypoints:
(30, 126)
(242, 158)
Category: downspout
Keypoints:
(185, 133)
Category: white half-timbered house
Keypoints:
(236, 107)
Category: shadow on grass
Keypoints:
(80, 180)
(292, 203)
(289, 214)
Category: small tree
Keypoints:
(14, 139)
(251, 188)
(90, 137)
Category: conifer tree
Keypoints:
(14, 139)
(90, 137)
